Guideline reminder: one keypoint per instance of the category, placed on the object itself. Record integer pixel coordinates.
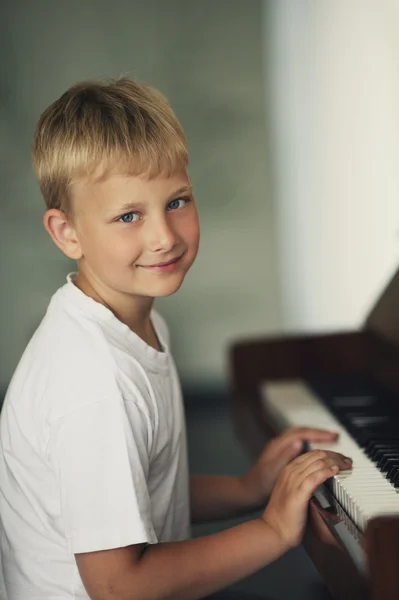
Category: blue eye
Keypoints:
(128, 217)
(175, 203)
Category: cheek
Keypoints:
(125, 248)
(106, 247)
(191, 230)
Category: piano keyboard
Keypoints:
(368, 489)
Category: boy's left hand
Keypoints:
(260, 479)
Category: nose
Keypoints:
(160, 235)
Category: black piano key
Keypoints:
(378, 454)
(386, 461)
(364, 436)
(381, 451)
(376, 444)
(371, 444)
(393, 470)
(367, 420)
(386, 454)
(381, 426)
(383, 462)
(367, 411)
(361, 401)
(377, 441)
(381, 458)
(395, 480)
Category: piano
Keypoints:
(347, 382)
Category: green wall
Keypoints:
(207, 59)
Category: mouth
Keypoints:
(163, 267)
(165, 263)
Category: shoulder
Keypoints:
(66, 364)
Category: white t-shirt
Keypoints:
(93, 449)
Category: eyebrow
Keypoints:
(187, 189)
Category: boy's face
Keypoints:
(128, 227)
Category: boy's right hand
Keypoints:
(286, 511)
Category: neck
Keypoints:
(134, 311)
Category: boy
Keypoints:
(95, 493)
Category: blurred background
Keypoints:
(290, 108)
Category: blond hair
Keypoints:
(95, 128)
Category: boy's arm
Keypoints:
(215, 497)
(195, 568)
(183, 570)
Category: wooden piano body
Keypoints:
(374, 351)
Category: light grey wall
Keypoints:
(335, 138)
(206, 57)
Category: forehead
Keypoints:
(118, 188)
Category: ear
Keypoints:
(62, 232)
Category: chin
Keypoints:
(166, 289)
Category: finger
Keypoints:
(287, 454)
(282, 444)
(299, 435)
(332, 460)
(344, 462)
(311, 482)
(308, 458)
(315, 467)
(311, 434)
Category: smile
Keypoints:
(163, 267)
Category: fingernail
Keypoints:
(348, 460)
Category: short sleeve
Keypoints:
(101, 459)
